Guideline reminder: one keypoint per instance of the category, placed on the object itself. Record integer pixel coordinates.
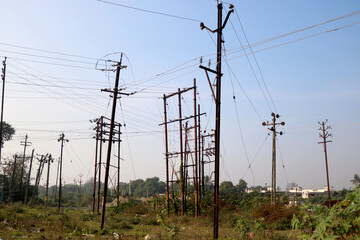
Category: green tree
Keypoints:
(355, 180)
(258, 188)
(7, 132)
(8, 170)
(227, 187)
(149, 187)
(241, 186)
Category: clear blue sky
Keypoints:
(311, 75)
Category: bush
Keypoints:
(123, 206)
(341, 221)
(277, 216)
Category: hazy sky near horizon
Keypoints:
(306, 69)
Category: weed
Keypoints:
(123, 206)
(87, 217)
(150, 221)
(76, 232)
(15, 209)
(124, 225)
(104, 231)
(341, 221)
(18, 233)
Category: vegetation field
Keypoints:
(134, 219)
(242, 216)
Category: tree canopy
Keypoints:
(241, 186)
(7, 132)
(355, 180)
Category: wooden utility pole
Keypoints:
(38, 176)
(273, 168)
(57, 178)
(167, 158)
(183, 164)
(95, 166)
(80, 182)
(2, 105)
(220, 27)
(62, 139)
(182, 187)
(49, 160)
(10, 199)
(199, 154)
(100, 159)
(118, 167)
(116, 91)
(1, 123)
(202, 166)
(28, 177)
(324, 135)
(25, 144)
(196, 182)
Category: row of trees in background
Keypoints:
(81, 195)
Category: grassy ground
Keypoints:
(128, 221)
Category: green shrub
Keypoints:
(87, 217)
(123, 206)
(149, 221)
(342, 221)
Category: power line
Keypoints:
(51, 63)
(282, 161)
(47, 51)
(257, 153)
(71, 80)
(241, 135)
(242, 89)
(164, 73)
(248, 60)
(61, 99)
(128, 143)
(296, 40)
(289, 33)
(47, 57)
(150, 11)
(82, 102)
(53, 86)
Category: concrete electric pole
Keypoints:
(324, 135)
(62, 139)
(273, 168)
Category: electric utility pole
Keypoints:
(95, 166)
(62, 139)
(2, 105)
(1, 123)
(80, 182)
(57, 178)
(115, 92)
(182, 183)
(220, 27)
(25, 144)
(273, 168)
(100, 158)
(38, 176)
(49, 160)
(118, 173)
(28, 177)
(12, 181)
(118, 167)
(324, 135)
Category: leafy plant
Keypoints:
(342, 221)
(172, 230)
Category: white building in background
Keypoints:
(306, 193)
